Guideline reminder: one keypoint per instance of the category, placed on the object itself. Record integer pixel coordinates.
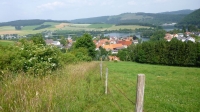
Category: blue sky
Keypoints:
(75, 9)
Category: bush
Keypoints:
(35, 59)
(81, 54)
(69, 58)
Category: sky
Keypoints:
(75, 9)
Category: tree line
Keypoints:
(175, 52)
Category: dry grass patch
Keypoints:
(62, 25)
(10, 32)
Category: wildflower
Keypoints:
(37, 93)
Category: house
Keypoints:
(113, 42)
(101, 42)
(112, 58)
(51, 42)
(113, 48)
(135, 42)
(187, 34)
(181, 39)
(56, 43)
(175, 35)
(125, 43)
(190, 39)
(180, 35)
(168, 36)
(117, 46)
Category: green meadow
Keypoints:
(100, 26)
(78, 87)
(5, 42)
(167, 88)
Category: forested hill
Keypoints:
(186, 11)
(191, 19)
(28, 22)
(150, 18)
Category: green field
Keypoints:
(30, 27)
(5, 42)
(79, 88)
(70, 27)
(5, 28)
(100, 26)
(51, 23)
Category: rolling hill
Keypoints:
(186, 11)
(140, 17)
(30, 22)
(191, 19)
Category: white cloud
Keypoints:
(51, 5)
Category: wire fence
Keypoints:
(139, 91)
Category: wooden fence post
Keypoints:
(106, 82)
(101, 70)
(140, 93)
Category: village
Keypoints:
(112, 43)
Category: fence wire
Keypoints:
(122, 93)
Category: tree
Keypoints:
(38, 39)
(123, 55)
(63, 41)
(158, 35)
(101, 53)
(86, 42)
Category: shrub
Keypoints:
(35, 59)
(69, 58)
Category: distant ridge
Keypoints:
(29, 22)
(140, 17)
(124, 18)
(185, 11)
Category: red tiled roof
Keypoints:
(128, 43)
(112, 46)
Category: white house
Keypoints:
(190, 39)
(57, 43)
(180, 35)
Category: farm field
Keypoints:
(65, 26)
(100, 26)
(78, 87)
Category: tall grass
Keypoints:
(78, 88)
(74, 88)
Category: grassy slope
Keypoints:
(5, 28)
(74, 88)
(79, 88)
(5, 42)
(167, 88)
